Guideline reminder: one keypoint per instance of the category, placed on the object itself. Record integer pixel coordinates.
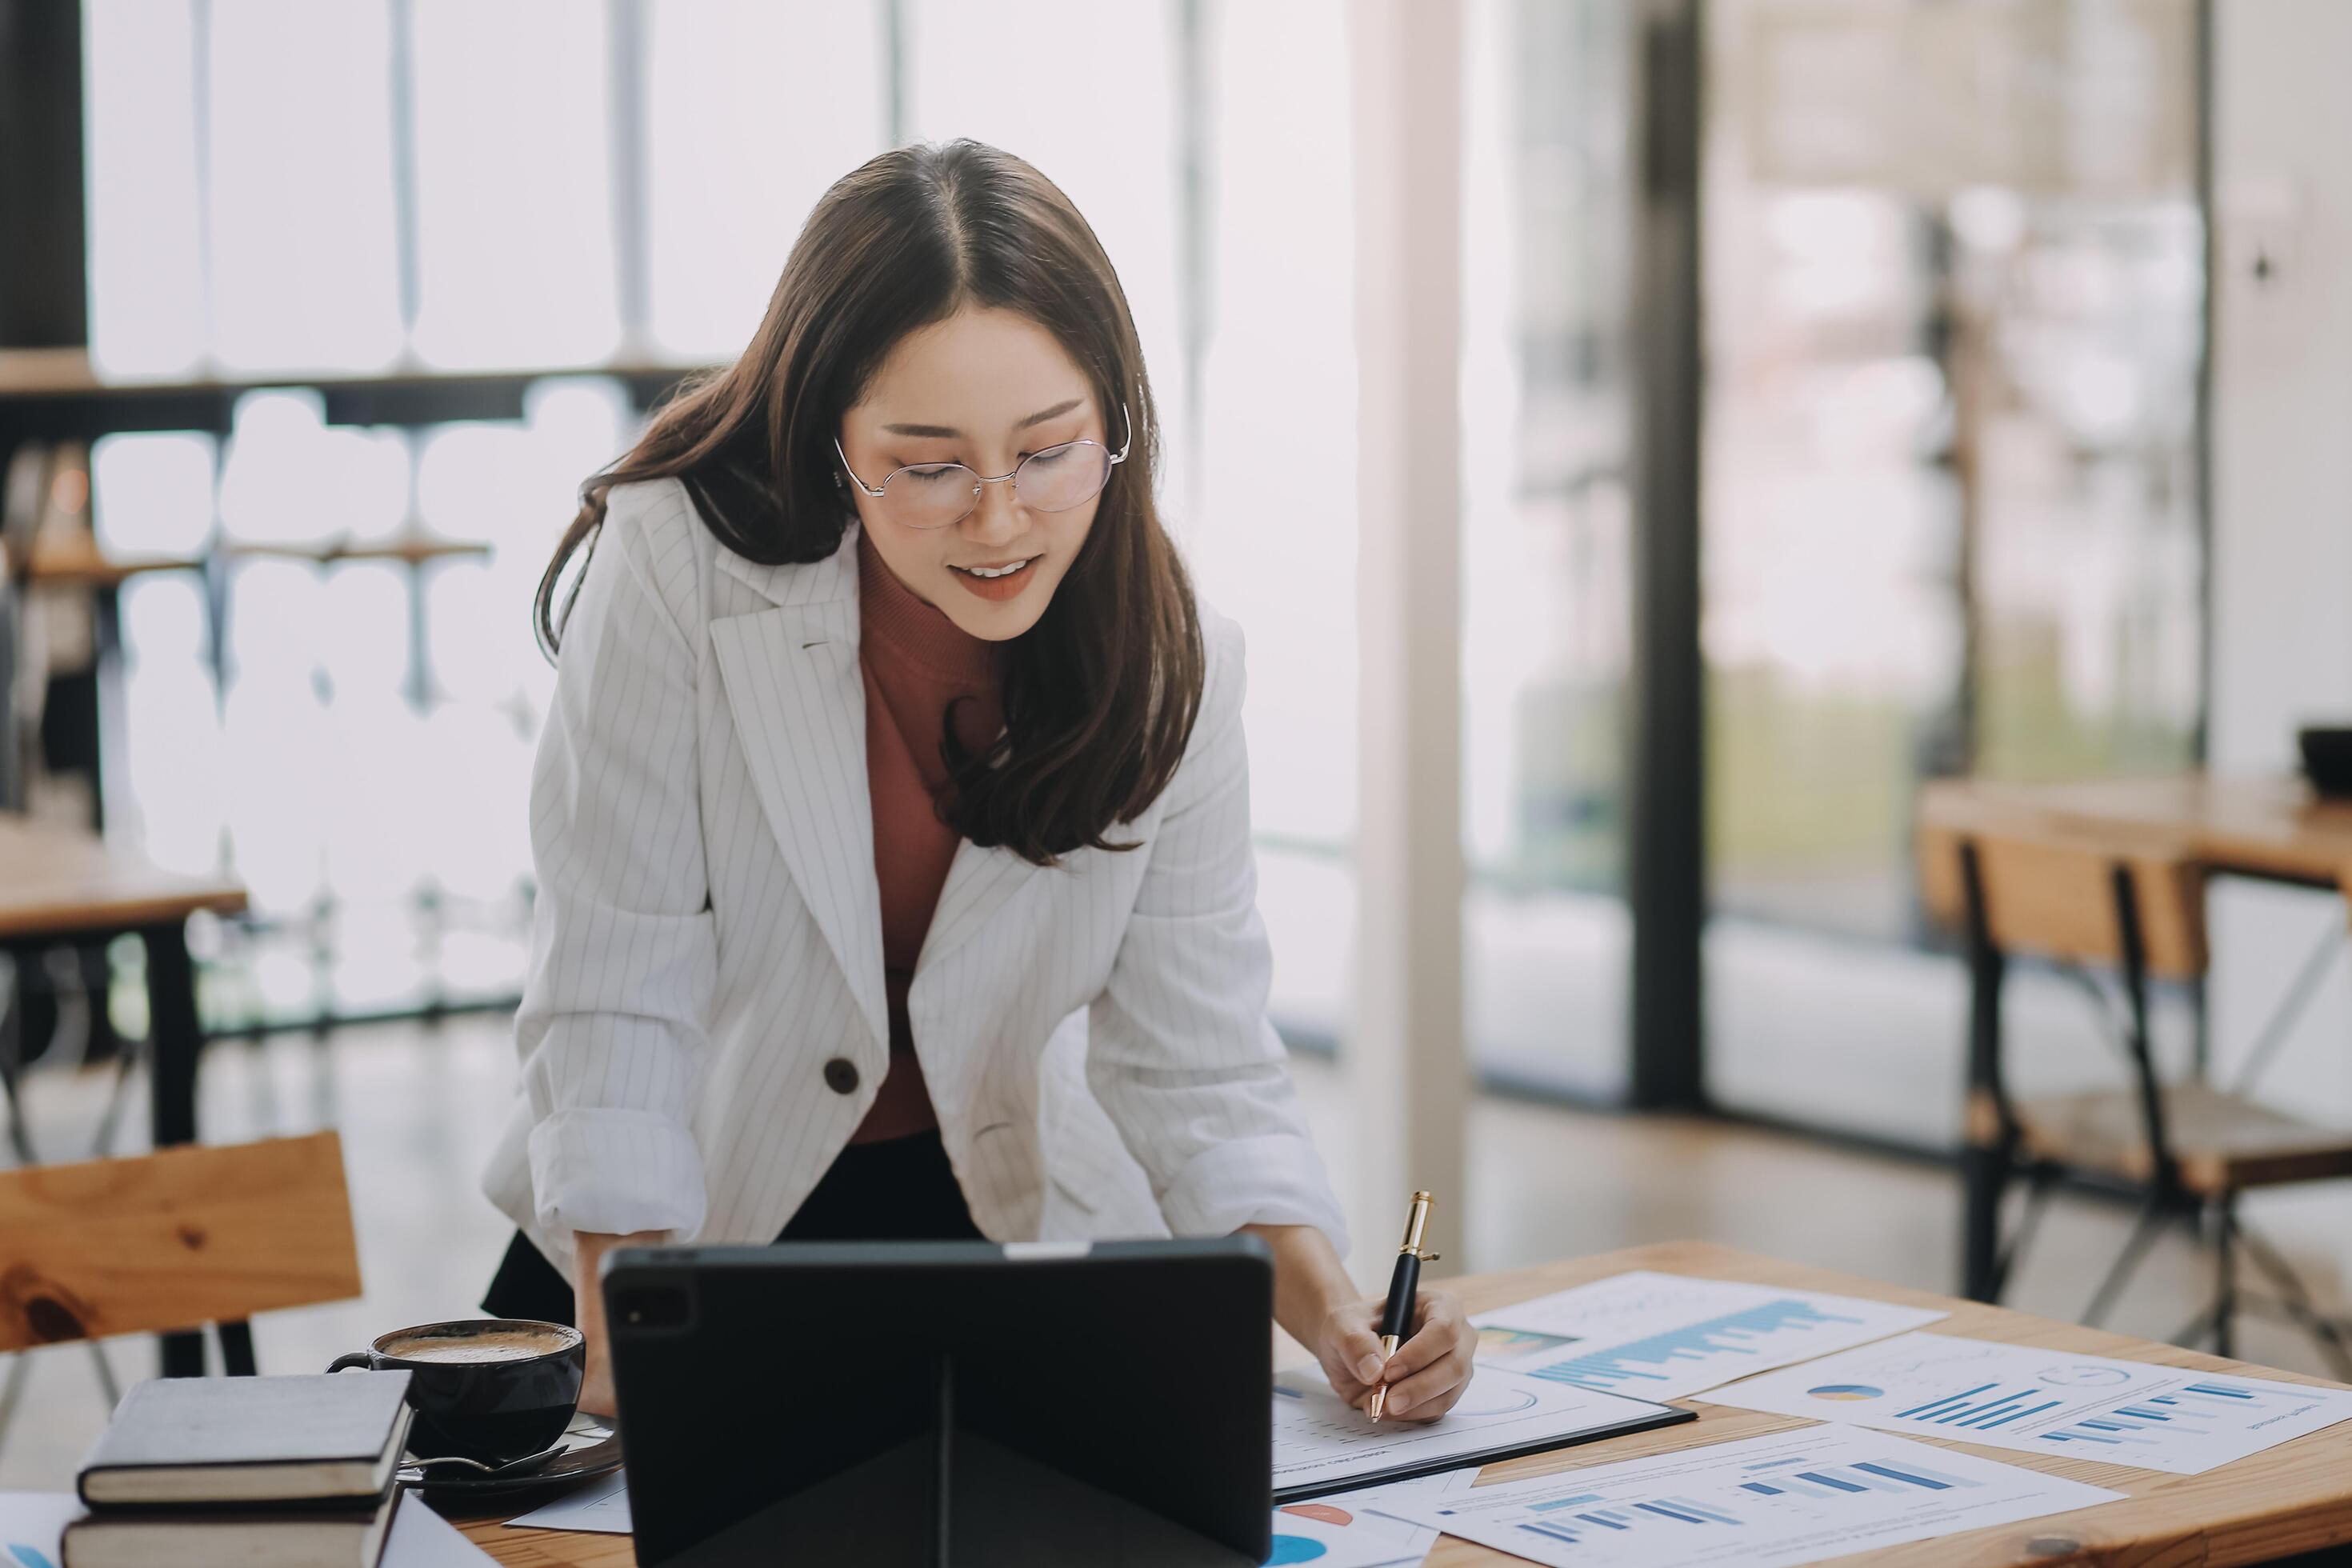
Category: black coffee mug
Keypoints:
(2327, 758)
(492, 1389)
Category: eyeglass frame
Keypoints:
(876, 492)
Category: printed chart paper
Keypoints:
(601, 1504)
(1311, 1539)
(1662, 1336)
(1319, 1439)
(1358, 1517)
(2045, 1401)
(1761, 1502)
(419, 1538)
(31, 1524)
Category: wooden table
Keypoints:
(75, 560)
(63, 885)
(2295, 1497)
(59, 881)
(2275, 829)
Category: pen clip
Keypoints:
(1426, 1256)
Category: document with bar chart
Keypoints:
(2042, 1402)
(1661, 1336)
(1763, 1502)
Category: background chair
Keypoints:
(2129, 908)
(174, 1240)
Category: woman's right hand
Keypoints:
(596, 1386)
(588, 1310)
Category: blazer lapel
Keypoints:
(979, 883)
(793, 685)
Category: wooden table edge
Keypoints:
(120, 914)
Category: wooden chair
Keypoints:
(174, 1240)
(2130, 906)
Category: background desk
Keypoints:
(62, 885)
(2273, 829)
(2296, 1497)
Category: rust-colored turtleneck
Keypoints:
(916, 663)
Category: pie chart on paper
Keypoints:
(1322, 1511)
(1296, 1549)
(1489, 1400)
(1846, 1391)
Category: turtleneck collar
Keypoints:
(899, 625)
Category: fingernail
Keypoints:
(1397, 1402)
(1369, 1369)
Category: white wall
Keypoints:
(2282, 377)
(2281, 455)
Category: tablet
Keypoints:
(964, 1403)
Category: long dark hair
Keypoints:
(1101, 695)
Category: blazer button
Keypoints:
(841, 1075)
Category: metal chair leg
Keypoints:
(2152, 1217)
(2225, 1277)
(111, 1389)
(11, 1390)
(12, 1025)
(1984, 1173)
(236, 1347)
(2029, 1222)
(2298, 1302)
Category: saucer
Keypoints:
(591, 1446)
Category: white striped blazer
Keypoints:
(707, 946)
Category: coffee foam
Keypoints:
(488, 1345)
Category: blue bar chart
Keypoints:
(1662, 1336)
(1789, 1497)
(1757, 1335)
(1576, 1517)
(2017, 1397)
(2199, 1407)
(1965, 1410)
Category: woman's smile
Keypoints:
(996, 579)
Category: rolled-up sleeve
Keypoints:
(1181, 1053)
(624, 950)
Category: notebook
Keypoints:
(186, 1441)
(149, 1538)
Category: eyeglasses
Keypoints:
(935, 495)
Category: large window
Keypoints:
(1546, 534)
(1953, 307)
(1953, 304)
(522, 186)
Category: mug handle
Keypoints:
(356, 1358)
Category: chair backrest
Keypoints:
(2050, 886)
(173, 1239)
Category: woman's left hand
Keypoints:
(1429, 1371)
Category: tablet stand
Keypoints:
(947, 1498)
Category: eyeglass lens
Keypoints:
(933, 495)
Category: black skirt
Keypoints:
(899, 1190)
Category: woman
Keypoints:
(891, 822)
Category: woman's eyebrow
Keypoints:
(949, 432)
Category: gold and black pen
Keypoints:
(1396, 1321)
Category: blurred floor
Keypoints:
(419, 1108)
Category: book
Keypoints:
(190, 1441)
(346, 1538)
